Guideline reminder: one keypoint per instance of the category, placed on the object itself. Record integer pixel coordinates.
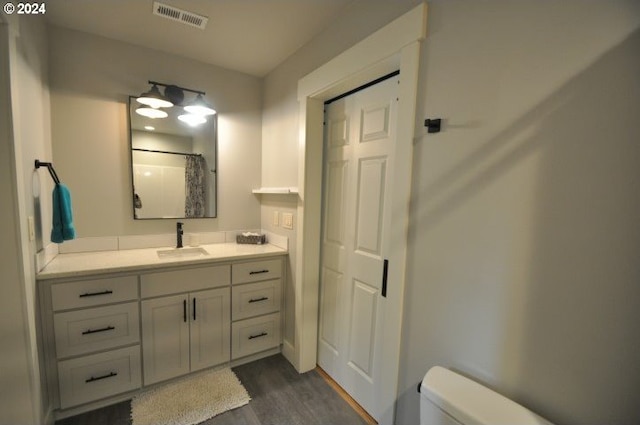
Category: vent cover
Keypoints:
(179, 15)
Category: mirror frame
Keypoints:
(214, 171)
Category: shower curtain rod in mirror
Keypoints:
(170, 153)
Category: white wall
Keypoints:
(280, 105)
(91, 78)
(524, 269)
(280, 135)
(25, 136)
(523, 252)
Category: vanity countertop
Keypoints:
(103, 262)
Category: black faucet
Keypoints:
(179, 233)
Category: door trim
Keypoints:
(394, 47)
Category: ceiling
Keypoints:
(249, 36)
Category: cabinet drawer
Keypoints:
(178, 281)
(254, 335)
(257, 270)
(89, 293)
(255, 299)
(99, 375)
(99, 328)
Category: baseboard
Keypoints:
(73, 411)
(48, 418)
(254, 357)
(289, 353)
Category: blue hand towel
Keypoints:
(63, 229)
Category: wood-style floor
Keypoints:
(279, 396)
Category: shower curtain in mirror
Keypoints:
(195, 186)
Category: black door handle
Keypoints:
(194, 308)
(184, 310)
(385, 269)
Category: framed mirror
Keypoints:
(173, 166)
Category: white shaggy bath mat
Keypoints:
(189, 401)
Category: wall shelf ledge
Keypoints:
(276, 190)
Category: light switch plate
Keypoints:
(287, 220)
(276, 218)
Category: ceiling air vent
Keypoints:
(179, 15)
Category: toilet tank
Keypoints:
(447, 398)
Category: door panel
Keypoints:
(363, 320)
(375, 123)
(371, 188)
(210, 317)
(329, 304)
(338, 131)
(165, 338)
(359, 152)
(337, 172)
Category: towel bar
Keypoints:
(49, 166)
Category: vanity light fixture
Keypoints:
(153, 100)
(199, 107)
(153, 113)
(192, 119)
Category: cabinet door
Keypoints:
(210, 317)
(165, 338)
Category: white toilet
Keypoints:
(447, 398)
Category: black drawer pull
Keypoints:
(97, 378)
(259, 271)
(257, 300)
(93, 331)
(95, 294)
(194, 309)
(184, 310)
(260, 335)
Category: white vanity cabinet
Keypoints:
(189, 331)
(95, 330)
(107, 335)
(256, 304)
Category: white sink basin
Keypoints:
(182, 253)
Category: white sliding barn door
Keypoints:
(359, 152)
